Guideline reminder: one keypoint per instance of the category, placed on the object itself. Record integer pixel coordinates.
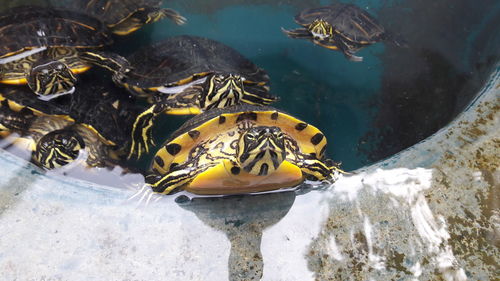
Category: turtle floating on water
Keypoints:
(126, 16)
(43, 46)
(96, 118)
(343, 27)
(188, 75)
(240, 149)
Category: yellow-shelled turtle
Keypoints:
(240, 149)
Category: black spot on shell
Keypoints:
(194, 134)
(274, 116)
(235, 170)
(300, 126)
(247, 116)
(322, 150)
(172, 167)
(159, 161)
(222, 119)
(173, 148)
(317, 138)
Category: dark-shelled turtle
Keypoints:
(343, 27)
(126, 16)
(240, 149)
(98, 117)
(42, 46)
(188, 75)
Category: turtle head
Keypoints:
(51, 79)
(223, 90)
(58, 148)
(261, 150)
(320, 29)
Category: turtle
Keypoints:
(126, 16)
(343, 27)
(188, 75)
(240, 149)
(97, 118)
(46, 48)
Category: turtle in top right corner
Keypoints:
(343, 27)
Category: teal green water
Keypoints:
(314, 84)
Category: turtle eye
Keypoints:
(250, 136)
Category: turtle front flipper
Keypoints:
(347, 47)
(166, 13)
(176, 179)
(142, 132)
(146, 16)
(181, 104)
(115, 63)
(14, 121)
(257, 95)
(315, 169)
(299, 33)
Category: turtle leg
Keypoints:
(145, 16)
(158, 14)
(142, 132)
(176, 179)
(346, 48)
(299, 33)
(115, 63)
(14, 121)
(257, 95)
(315, 169)
(186, 102)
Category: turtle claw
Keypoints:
(174, 16)
(350, 56)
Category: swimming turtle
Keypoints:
(240, 149)
(126, 16)
(188, 75)
(42, 47)
(97, 117)
(340, 26)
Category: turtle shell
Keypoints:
(217, 122)
(100, 108)
(181, 59)
(113, 12)
(31, 27)
(348, 20)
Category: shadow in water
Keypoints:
(243, 219)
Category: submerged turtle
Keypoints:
(42, 46)
(343, 27)
(188, 75)
(240, 149)
(126, 16)
(97, 118)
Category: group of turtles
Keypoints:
(236, 143)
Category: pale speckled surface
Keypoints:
(428, 213)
